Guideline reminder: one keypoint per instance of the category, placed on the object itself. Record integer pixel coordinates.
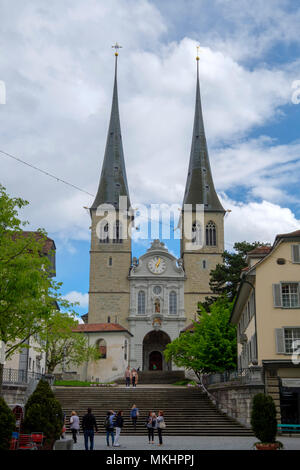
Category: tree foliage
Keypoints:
(43, 413)
(210, 346)
(225, 278)
(62, 345)
(7, 425)
(28, 294)
(263, 418)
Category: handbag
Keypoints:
(162, 425)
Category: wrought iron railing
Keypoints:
(19, 376)
(252, 375)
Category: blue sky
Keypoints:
(57, 63)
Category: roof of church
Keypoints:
(49, 244)
(113, 180)
(200, 186)
(100, 327)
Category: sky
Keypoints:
(57, 64)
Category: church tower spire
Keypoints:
(199, 187)
(203, 246)
(113, 180)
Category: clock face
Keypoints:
(157, 265)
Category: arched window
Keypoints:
(211, 235)
(102, 348)
(104, 233)
(117, 232)
(196, 234)
(125, 349)
(173, 303)
(141, 302)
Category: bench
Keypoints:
(290, 428)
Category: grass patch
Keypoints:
(181, 382)
(78, 383)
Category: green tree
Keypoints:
(43, 413)
(7, 425)
(210, 346)
(225, 278)
(62, 345)
(28, 294)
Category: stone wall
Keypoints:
(235, 399)
(15, 394)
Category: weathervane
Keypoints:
(116, 47)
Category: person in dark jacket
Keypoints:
(151, 424)
(109, 426)
(119, 422)
(89, 425)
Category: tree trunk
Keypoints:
(1, 379)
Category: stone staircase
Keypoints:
(188, 412)
(157, 377)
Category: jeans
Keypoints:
(110, 433)
(151, 434)
(74, 434)
(127, 381)
(89, 434)
(134, 420)
(159, 431)
(133, 382)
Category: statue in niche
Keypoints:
(157, 306)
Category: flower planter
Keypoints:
(270, 446)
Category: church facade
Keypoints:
(148, 301)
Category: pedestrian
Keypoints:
(134, 414)
(160, 426)
(63, 429)
(89, 425)
(127, 376)
(109, 426)
(134, 378)
(151, 424)
(119, 422)
(74, 425)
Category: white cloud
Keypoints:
(75, 296)
(257, 221)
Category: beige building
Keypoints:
(267, 315)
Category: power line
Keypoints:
(46, 173)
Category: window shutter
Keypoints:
(277, 295)
(296, 253)
(280, 344)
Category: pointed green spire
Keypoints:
(200, 186)
(113, 180)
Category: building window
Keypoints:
(290, 295)
(125, 349)
(291, 339)
(104, 233)
(204, 264)
(173, 303)
(296, 253)
(141, 302)
(108, 319)
(196, 234)
(211, 236)
(110, 261)
(102, 348)
(117, 232)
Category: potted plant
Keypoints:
(7, 425)
(264, 423)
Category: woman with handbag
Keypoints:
(160, 426)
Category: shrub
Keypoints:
(7, 425)
(43, 413)
(263, 418)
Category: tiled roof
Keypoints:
(296, 233)
(260, 250)
(49, 244)
(94, 327)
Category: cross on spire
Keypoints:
(116, 47)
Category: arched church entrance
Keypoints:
(153, 347)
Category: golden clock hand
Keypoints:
(158, 263)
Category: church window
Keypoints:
(141, 302)
(117, 232)
(211, 236)
(173, 303)
(157, 290)
(108, 319)
(110, 261)
(125, 349)
(204, 264)
(196, 233)
(102, 348)
(104, 233)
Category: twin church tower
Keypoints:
(153, 298)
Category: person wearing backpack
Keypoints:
(160, 426)
(151, 424)
(134, 414)
(88, 426)
(119, 424)
(109, 426)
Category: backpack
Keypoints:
(106, 423)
